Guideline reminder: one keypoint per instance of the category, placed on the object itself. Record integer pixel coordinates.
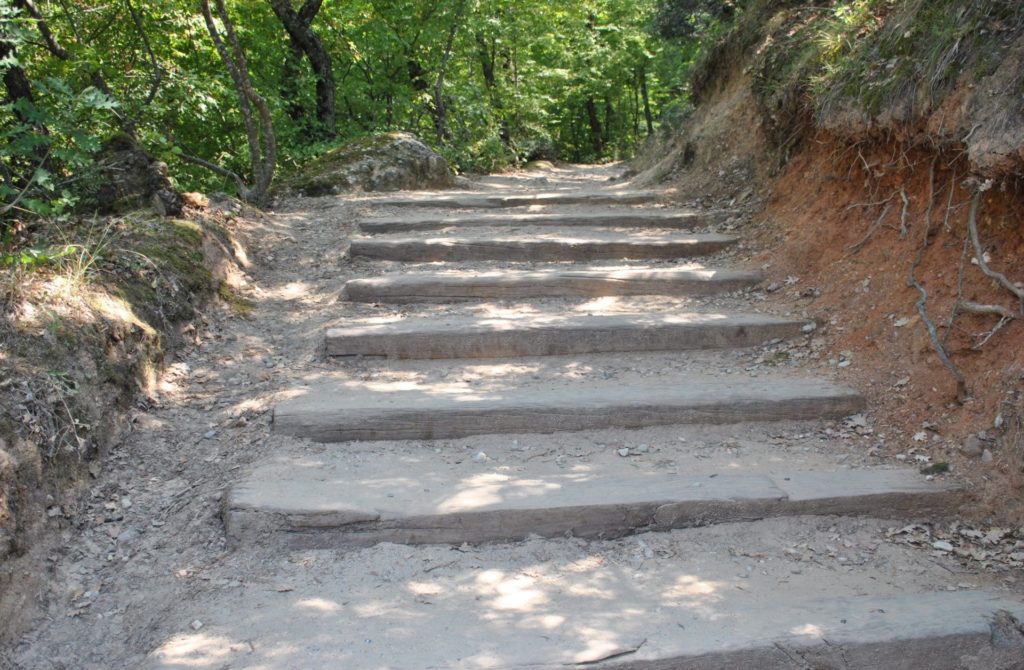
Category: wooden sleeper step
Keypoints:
(340, 411)
(554, 335)
(517, 284)
(577, 248)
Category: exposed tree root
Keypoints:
(979, 253)
(922, 309)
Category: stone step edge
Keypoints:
(319, 516)
(519, 284)
(343, 411)
(526, 249)
(471, 337)
(626, 219)
(493, 201)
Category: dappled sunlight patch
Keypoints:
(808, 630)
(493, 488)
(318, 606)
(519, 593)
(424, 588)
(200, 650)
(693, 591)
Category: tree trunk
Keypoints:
(596, 133)
(16, 82)
(298, 26)
(440, 110)
(262, 143)
(642, 75)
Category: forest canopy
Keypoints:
(227, 91)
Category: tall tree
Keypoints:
(298, 25)
(262, 142)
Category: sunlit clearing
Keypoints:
(318, 605)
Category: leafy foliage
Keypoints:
(510, 79)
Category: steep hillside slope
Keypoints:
(878, 136)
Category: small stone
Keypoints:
(942, 545)
(210, 434)
(196, 625)
(126, 502)
(773, 287)
(809, 328)
(973, 446)
(623, 452)
(643, 449)
(986, 456)
(480, 457)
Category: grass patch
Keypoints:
(237, 303)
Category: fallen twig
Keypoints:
(979, 253)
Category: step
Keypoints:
(341, 411)
(556, 334)
(491, 618)
(513, 284)
(487, 200)
(323, 501)
(552, 248)
(630, 218)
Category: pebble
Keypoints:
(643, 449)
(809, 328)
(480, 457)
(623, 452)
(986, 456)
(196, 625)
(942, 545)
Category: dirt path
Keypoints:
(145, 578)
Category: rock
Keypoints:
(196, 625)
(986, 456)
(623, 452)
(809, 328)
(387, 162)
(973, 446)
(480, 457)
(130, 179)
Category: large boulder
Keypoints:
(388, 162)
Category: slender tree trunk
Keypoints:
(440, 110)
(262, 143)
(298, 26)
(596, 133)
(642, 75)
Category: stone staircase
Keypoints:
(424, 496)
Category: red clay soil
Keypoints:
(826, 202)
